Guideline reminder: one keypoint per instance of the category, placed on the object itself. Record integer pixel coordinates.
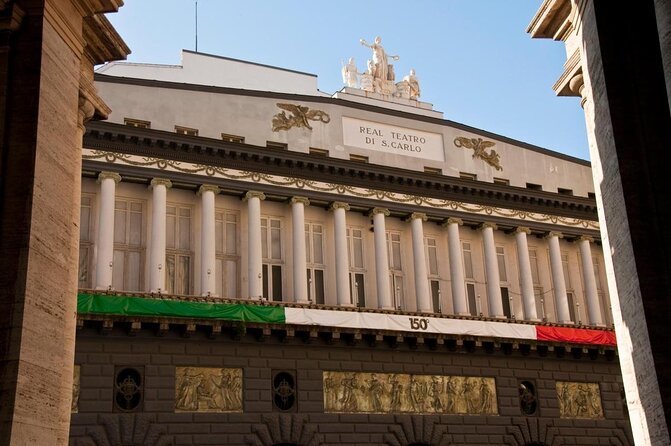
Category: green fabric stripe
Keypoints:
(140, 306)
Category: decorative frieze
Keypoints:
(206, 389)
(358, 392)
(333, 188)
(579, 400)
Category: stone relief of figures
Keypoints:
(379, 76)
(201, 389)
(359, 392)
(75, 389)
(479, 146)
(579, 400)
(301, 117)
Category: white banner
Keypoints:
(416, 324)
(392, 139)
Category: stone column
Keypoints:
(46, 93)
(254, 251)
(459, 298)
(424, 304)
(492, 271)
(300, 263)
(341, 252)
(526, 279)
(558, 280)
(384, 299)
(208, 255)
(159, 188)
(105, 239)
(589, 279)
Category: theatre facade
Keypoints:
(263, 263)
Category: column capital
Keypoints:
(254, 194)
(554, 234)
(339, 205)
(302, 200)
(383, 211)
(160, 182)
(586, 238)
(487, 224)
(111, 175)
(521, 229)
(452, 220)
(208, 188)
(420, 215)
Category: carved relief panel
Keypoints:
(355, 392)
(205, 389)
(579, 400)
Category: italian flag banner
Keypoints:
(250, 312)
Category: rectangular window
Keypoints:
(468, 176)
(563, 191)
(137, 123)
(277, 145)
(501, 258)
(318, 152)
(357, 272)
(357, 289)
(502, 181)
(434, 286)
(468, 260)
(565, 267)
(432, 256)
(186, 130)
(314, 247)
(395, 268)
(358, 158)
(540, 303)
(533, 186)
(226, 248)
(271, 248)
(472, 300)
(571, 306)
(591, 195)
(128, 245)
(178, 249)
(433, 170)
(533, 260)
(85, 242)
(233, 138)
(505, 301)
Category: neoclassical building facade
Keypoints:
(263, 263)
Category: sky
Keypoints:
(474, 60)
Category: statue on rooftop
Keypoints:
(350, 73)
(413, 83)
(380, 59)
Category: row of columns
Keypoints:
(159, 187)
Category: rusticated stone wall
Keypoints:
(164, 359)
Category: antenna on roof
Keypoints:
(196, 26)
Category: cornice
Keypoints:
(150, 143)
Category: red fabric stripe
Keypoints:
(575, 335)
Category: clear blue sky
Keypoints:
(473, 58)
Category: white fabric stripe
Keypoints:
(415, 324)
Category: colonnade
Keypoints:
(253, 199)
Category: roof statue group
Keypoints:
(379, 76)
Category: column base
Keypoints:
(208, 295)
(388, 308)
(464, 314)
(567, 322)
(346, 305)
(104, 288)
(532, 320)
